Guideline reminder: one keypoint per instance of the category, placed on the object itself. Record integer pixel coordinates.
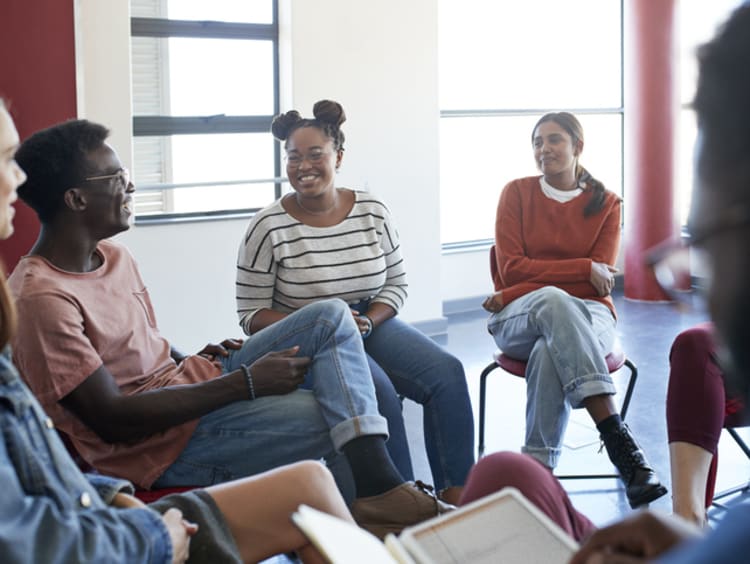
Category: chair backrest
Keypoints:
(494, 272)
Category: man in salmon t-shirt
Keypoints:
(89, 348)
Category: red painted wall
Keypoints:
(37, 78)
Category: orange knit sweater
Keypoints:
(542, 242)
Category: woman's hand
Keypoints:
(602, 278)
(180, 532)
(364, 324)
(494, 303)
(639, 538)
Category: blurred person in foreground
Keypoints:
(720, 225)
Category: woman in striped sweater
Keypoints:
(320, 241)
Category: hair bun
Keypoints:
(330, 112)
(282, 124)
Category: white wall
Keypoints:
(379, 59)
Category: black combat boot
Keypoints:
(641, 484)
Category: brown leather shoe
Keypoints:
(398, 508)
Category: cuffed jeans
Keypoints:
(564, 340)
(248, 437)
(424, 372)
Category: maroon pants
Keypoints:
(535, 482)
(697, 403)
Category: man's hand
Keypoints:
(212, 351)
(279, 372)
(639, 538)
(602, 278)
(180, 532)
(494, 303)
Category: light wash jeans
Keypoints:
(248, 437)
(424, 372)
(565, 341)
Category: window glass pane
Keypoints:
(530, 54)
(201, 77)
(242, 11)
(206, 158)
(499, 150)
(684, 173)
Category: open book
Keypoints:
(503, 527)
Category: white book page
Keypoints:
(503, 527)
(339, 541)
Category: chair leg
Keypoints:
(482, 400)
(623, 411)
(631, 386)
(737, 489)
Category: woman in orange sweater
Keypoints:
(556, 242)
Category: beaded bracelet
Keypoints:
(369, 327)
(249, 380)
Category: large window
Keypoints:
(503, 65)
(205, 88)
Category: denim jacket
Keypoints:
(49, 511)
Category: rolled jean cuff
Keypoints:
(359, 426)
(593, 385)
(547, 456)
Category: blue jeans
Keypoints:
(390, 407)
(247, 437)
(424, 372)
(565, 341)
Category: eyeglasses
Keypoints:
(314, 157)
(122, 178)
(673, 264)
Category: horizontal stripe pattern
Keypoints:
(284, 264)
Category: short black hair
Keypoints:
(54, 160)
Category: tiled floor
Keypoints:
(646, 331)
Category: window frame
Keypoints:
(159, 125)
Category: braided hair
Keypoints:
(573, 128)
(328, 117)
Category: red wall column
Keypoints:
(650, 120)
(38, 79)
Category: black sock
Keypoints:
(609, 424)
(372, 467)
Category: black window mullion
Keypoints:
(167, 125)
(160, 27)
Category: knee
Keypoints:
(332, 307)
(333, 310)
(453, 370)
(311, 476)
(692, 343)
(552, 301)
(502, 470)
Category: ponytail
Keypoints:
(589, 183)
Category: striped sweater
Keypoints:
(284, 264)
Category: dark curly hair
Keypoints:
(55, 160)
(329, 116)
(573, 128)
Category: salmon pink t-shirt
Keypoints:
(70, 324)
